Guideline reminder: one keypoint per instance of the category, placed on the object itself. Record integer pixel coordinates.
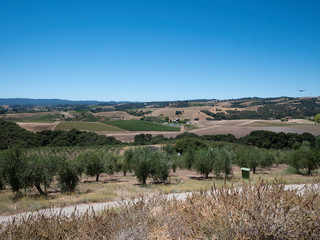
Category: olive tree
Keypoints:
(69, 175)
(92, 163)
(225, 158)
(305, 157)
(204, 161)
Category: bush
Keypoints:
(249, 158)
(40, 170)
(188, 144)
(160, 168)
(127, 164)
(68, 175)
(225, 158)
(267, 160)
(188, 159)
(205, 161)
(3, 175)
(112, 163)
(150, 163)
(93, 163)
(14, 165)
(305, 157)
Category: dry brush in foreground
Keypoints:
(259, 212)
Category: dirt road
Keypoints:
(82, 208)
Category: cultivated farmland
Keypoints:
(136, 125)
(87, 126)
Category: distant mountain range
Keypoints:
(46, 102)
(53, 102)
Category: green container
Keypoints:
(245, 173)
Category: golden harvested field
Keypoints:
(32, 117)
(37, 127)
(240, 128)
(115, 115)
(187, 113)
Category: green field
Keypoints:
(137, 125)
(41, 118)
(86, 126)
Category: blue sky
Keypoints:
(159, 50)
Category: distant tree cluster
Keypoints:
(12, 134)
(267, 139)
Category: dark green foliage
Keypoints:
(225, 159)
(68, 175)
(216, 116)
(249, 158)
(13, 135)
(188, 159)
(160, 167)
(220, 137)
(188, 144)
(142, 139)
(128, 163)
(40, 170)
(142, 164)
(267, 160)
(93, 163)
(14, 165)
(3, 174)
(148, 162)
(137, 112)
(112, 163)
(175, 162)
(187, 135)
(305, 157)
(205, 161)
(267, 139)
(318, 143)
(24, 171)
(169, 149)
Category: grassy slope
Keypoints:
(87, 126)
(47, 118)
(137, 125)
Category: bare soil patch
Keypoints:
(37, 127)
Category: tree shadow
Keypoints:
(201, 178)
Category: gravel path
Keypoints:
(82, 208)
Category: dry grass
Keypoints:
(259, 212)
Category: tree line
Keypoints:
(22, 170)
(11, 134)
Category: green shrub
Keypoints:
(127, 161)
(148, 162)
(14, 165)
(68, 175)
(305, 157)
(205, 161)
(92, 163)
(225, 158)
(40, 171)
(188, 144)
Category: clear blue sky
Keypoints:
(159, 49)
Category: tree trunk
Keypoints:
(309, 171)
(40, 190)
(254, 170)
(207, 175)
(97, 177)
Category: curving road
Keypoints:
(82, 208)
